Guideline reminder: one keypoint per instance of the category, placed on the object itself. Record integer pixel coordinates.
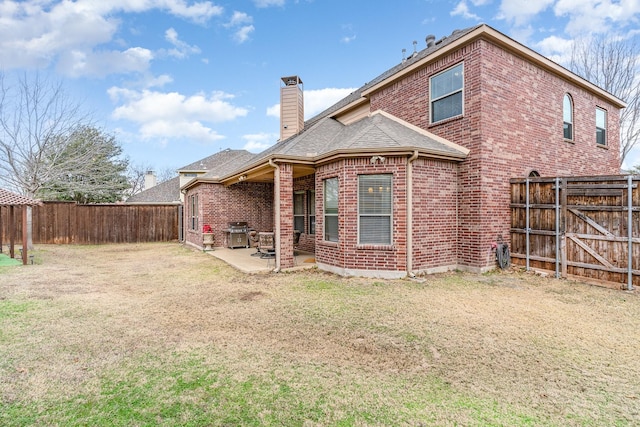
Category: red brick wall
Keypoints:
(435, 219)
(512, 123)
(347, 253)
(219, 205)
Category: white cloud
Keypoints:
(556, 48)
(259, 142)
(173, 115)
(239, 18)
(181, 49)
(242, 35)
(37, 33)
(520, 12)
(462, 9)
(99, 64)
(242, 24)
(268, 3)
(598, 16)
(315, 101)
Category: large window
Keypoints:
(331, 209)
(193, 212)
(298, 211)
(446, 93)
(601, 126)
(567, 116)
(311, 211)
(374, 209)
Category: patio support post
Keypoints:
(12, 231)
(284, 218)
(25, 235)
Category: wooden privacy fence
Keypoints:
(68, 222)
(581, 226)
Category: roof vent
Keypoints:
(431, 39)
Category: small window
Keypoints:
(311, 211)
(446, 94)
(374, 209)
(331, 209)
(601, 126)
(298, 211)
(193, 212)
(567, 117)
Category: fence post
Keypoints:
(526, 227)
(563, 228)
(630, 233)
(557, 227)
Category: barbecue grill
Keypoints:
(236, 236)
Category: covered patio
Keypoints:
(10, 201)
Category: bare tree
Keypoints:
(614, 65)
(36, 118)
(136, 174)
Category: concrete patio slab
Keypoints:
(242, 259)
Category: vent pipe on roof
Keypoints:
(404, 55)
(431, 39)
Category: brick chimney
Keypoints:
(291, 107)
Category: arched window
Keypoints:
(533, 174)
(567, 116)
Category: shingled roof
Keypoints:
(165, 192)
(7, 198)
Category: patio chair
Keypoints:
(266, 245)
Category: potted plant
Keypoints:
(207, 237)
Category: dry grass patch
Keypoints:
(159, 334)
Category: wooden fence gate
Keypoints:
(581, 226)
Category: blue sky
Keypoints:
(179, 80)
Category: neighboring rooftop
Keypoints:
(165, 192)
(7, 198)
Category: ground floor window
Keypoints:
(311, 211)
(375, 209)
(298, 211)
(331, 209)
(193, 211)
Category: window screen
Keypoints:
(446, 94)
(298, 211)
(374, 209)
(331, 209)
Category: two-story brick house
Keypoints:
(410, 173)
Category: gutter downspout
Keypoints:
(276, 207)
(409, 186)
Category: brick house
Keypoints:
(410, 173)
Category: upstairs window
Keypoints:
(331, 209)
(567, 117)
(446, 94)
(374, 209)
(601, 126)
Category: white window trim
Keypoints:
(605, 128)
(432, 100)
(377, 215)
(324, 210)
(571, 110)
